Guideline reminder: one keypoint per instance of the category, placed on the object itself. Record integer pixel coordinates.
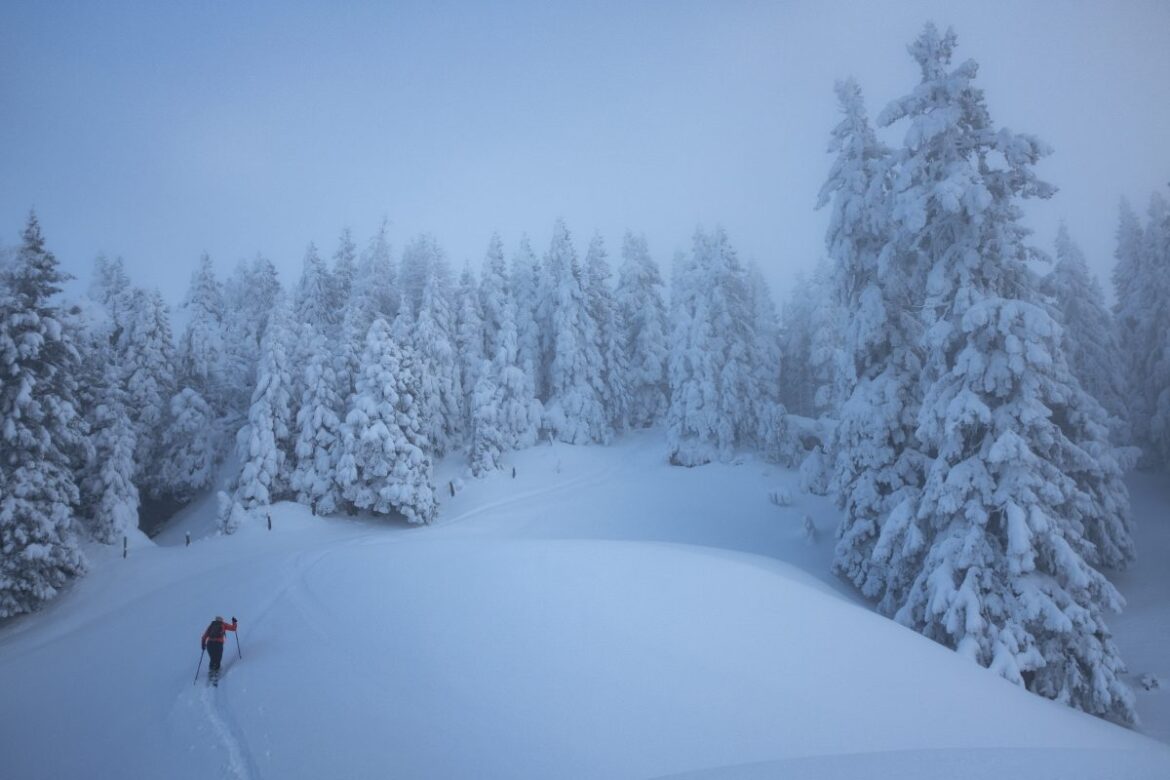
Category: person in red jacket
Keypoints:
(212, 642)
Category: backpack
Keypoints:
(215, 630)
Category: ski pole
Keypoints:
(237, 633)
(198, 665)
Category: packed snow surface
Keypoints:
(600, 614)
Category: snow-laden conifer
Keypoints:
(314, 302)
(505, 414)
(877, 463)
(385, 466)
(1153, 367)
(250, 294)
(190, 446)
(265, 443)
(494, 292)
(641, 313)
(201, 354)
(111, 489)
(111, 287)
(146, 354)
(764, 362)
(987, 560)
(469, 340)
(574, 411)
(440, 392)
(602, 308)
(698, 430)
(39, 429)
(318, 427)
(525, 283)
(343, 274)
(1089, 336)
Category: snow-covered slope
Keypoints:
(599, 615)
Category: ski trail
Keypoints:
(596, 476)
(239, 762)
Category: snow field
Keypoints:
(601, 615)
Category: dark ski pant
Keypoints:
(215, 653)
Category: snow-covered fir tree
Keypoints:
(1142, 283)
(987, 561)
(641, 315)
(1089, 336)
(385, 466)
(494, 293)
(110, 286)
(469, 339)
(372, 295)
(714, 316)
(113, 496)
(877, 464)
(264, 445)
(250, 293)
(201, 355)
(525, 283)
(764, 363)
(603, 309)
(40, 431)
(505, 414)
(432, 338)
(799, 382)
(699, 425)
(1157, 376)
(146, 353)
(314, 296)
(191, 443)
(574, 411)
(343, 274)
(318, 427)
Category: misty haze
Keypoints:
(617, 390)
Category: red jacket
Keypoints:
(207, 634)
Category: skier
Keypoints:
(212, 642)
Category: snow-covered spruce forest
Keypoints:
(964, 393)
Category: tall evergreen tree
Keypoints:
(190, 443)
(433, 339)
(494, 293)
(201, 362)
(318, 425)
(111, 488)
(641, 315)
(603, 309)
(264, 445)
(574, 411)
(1154, 305)
(314, 297)
(146, 354)
(469, 339)
(505, 414)
(878, 465)
(385, 466)
(1089, 337)
(525, 282)
(249, 297)
(345, 271)
(40, 429)
(990, 562)
(707, 355)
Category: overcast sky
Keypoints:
(157, 131)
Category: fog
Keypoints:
(157, 133)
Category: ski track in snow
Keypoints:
(239, 760)
(594, 478)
